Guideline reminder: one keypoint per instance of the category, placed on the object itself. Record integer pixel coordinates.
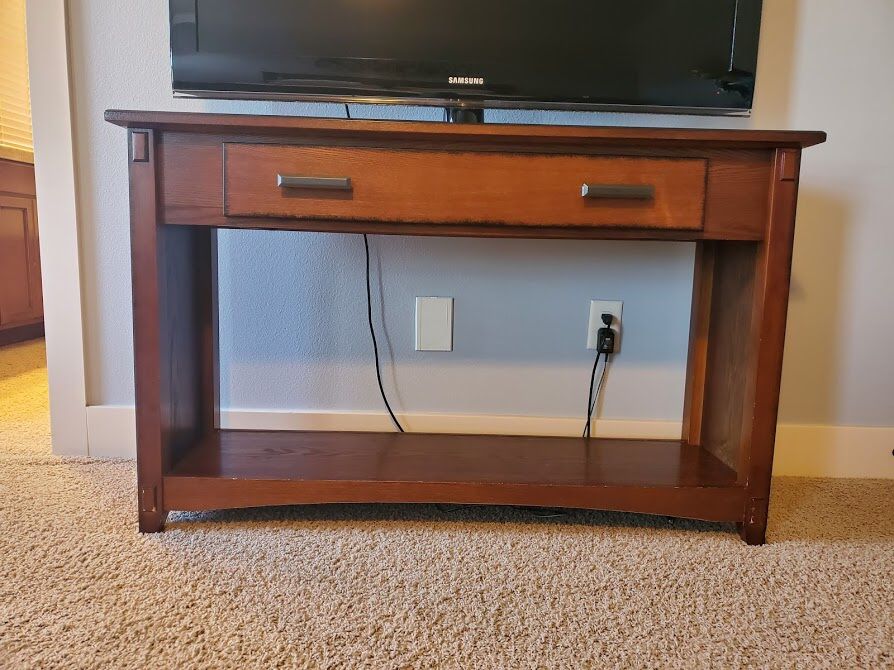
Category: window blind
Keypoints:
(15, 98)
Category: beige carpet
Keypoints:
(24, 413)
(419, 587)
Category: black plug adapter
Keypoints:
(605, 337)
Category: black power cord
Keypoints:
(590, 404)
(595, 395)
(605, 345)
(372, 333)
(369, 316)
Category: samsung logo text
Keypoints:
(475, 81)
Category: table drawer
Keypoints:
(409, 186)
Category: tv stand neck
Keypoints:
(465, 115)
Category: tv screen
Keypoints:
(652, 55)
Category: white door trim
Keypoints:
(54, 167)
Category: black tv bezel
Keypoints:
(459, 102)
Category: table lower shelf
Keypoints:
(230, 469)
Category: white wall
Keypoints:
(838, 367)
(293, 332)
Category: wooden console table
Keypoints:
(732, 192)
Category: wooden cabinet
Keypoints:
(21, 300)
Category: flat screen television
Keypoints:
(692, 56)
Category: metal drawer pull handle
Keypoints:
(326, 183)
(618, 191)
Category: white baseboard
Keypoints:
(806, 450)
(111, 431)
(801, 450)
(445, 423)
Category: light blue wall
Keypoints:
(295, 335)
(293, 305)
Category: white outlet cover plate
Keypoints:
(597, 309)
(434, 324)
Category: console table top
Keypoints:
(608, 135)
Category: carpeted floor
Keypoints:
(24, 410)
(421, 587)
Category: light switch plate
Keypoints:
(597, 309)
(434, 324)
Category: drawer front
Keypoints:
(345, 183)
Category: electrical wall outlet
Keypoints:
(597, 309)
(434, 324)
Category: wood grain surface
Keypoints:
(462, 187)
(236, 468)
(733, 192)
(488, 133)
(21, 296)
